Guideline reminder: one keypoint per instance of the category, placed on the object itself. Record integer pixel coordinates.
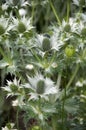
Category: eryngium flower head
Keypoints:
(22, 25)
(41, 87)
(12, 87)
(70, 26)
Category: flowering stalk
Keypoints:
(54, 123)
(64, 99)
(55, 13)
(68, 9)
(17, 120)
(33, 7)
(73, 76)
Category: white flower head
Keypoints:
(22, 25)
(45, 43)
(40, 86)
(39, 41)
(71, 25)
(12, 87)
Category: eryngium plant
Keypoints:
(49, 68)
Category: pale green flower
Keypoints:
(40, 86)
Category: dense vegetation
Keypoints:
(43, 64)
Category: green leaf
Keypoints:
(71, 106)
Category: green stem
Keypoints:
(20, 76)
(2, 53)
(59, 80)
(69, 83)
(22, 58)
(73, 76)
(64, 92)
(33, 52)
(53, 58)
(54, 124)
(63, 114)
(68, 9)
(55, 13)
(2, 77)
(33, 7)
(17, 120)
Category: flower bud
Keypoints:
(69, 51)
(36, 128)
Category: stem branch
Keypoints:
(55, 13)
(73, 76)
(68, 9)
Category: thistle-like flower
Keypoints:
(22, 25)
(40, 86)
(12, 87)
(45, 43)
(70, 26)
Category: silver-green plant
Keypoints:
(48, 69)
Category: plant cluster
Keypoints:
(47, 69)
